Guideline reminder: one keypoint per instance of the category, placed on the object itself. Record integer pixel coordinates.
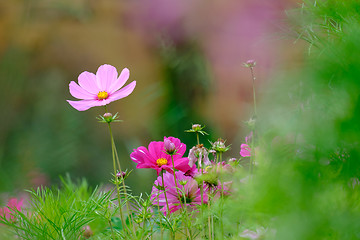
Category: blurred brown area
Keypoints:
(186, 57)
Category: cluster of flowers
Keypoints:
(183, 182)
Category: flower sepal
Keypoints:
(108, 118)
(197, 128)
(120, 177)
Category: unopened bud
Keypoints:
(169, 146)
(196, 127)
(183, 182)
(250, 63)
(108, 117)
(120, 174)
(219, 146)
(87, 232)
(232, 160)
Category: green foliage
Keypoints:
(306, 185)
(62, 214)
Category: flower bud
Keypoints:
(120, 174)
(87, 232)
(108, 117)
(219, 146)
(250, 63)
(196, 127)
(169, 146)
(232, 160)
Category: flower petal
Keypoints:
(78, 92)
(116, 85)
(87, 81)
(182, 164)
(156, 150)
(105, 76)
(85, 104)
(124, 92)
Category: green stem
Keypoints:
(116, 181)
(253, 82)
(163, 185)
(116, 159)
(177, 188)
(161, 228)
(124, 186)
(112, 230)
(197, 137)
(209, 221)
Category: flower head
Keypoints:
(155, 156)
(199, 153)
(219, 146)
(100, 89)
(189, 193)
(250, 63)
(245, 150)
(13, 205)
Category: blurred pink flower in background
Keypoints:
(100, 89)
(13, 205)
(245, 150)
(227, 33)
(155, 156)
(188, 189)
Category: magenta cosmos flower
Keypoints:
(155, 156)
(188, 192)
(100, 89)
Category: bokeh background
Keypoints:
(186, 57)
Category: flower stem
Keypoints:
(163, 185)
(209, 221)
(116, 181)
(253, 83)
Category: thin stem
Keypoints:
(163, 185)
(197, 137)
(177, 188)
(124, 186)
(209, 221)
(112, 230)
(253, 81)
(161, 228)
(167, 203)
(116, 181)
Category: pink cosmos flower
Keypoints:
(156, 157)
(13, 205)
(188, 192)
(100, 89)
(245, 150)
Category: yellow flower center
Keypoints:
(102, 95)
(161, 161)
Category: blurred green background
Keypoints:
(186, 57)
